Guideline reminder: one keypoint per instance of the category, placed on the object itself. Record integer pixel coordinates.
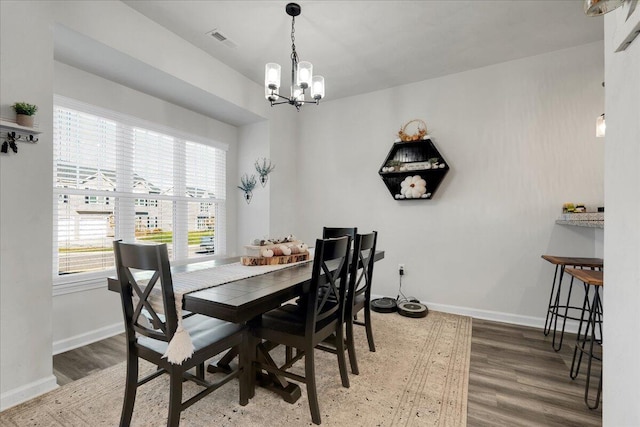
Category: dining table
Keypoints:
(244, 301)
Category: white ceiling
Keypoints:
(361, 46)
(358, 46)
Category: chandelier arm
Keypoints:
(280, 102)
(281, 97)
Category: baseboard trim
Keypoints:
(27, 392)
(87, 338)
(496, 316)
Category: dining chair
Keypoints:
(361, 275)
(359, 293)
(333, 232)
(294, 326)
(140, 269)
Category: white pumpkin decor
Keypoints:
(413, 187)
(285, 250)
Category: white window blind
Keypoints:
(119, 177)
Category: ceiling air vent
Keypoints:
(216, 34)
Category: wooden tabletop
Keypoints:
(575, 261)
(590, 277)
(245, 299)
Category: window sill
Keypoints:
(63, 285)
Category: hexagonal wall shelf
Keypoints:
(409, 159)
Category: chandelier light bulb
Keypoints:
(272, 76)
(317, 87)
(305, 71)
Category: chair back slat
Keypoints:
(361, 268)
(333, 232)
(134, 264)
(327, 293)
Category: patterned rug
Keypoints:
(418, 376)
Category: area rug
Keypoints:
(418, 376)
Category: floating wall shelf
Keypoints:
(408, 159)
(11, 132)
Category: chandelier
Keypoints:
(302, 77)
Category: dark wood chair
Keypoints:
(333, 232)
(209, 336)
(360, 276)
(294, 326)
(359, 295)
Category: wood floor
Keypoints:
(516, 379)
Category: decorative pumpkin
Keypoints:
(294, 249)
(413, 187)
(267, 253)
(277, 251)
(284, 249)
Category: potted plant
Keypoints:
(24, 113)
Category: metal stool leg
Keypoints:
(574, 373)
(548, 320)
(592, 321)
(566, 313)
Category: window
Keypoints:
(118, 177)
(146, 202)
(96, 200)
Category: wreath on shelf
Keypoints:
(419, 134)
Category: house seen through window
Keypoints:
(117, 177)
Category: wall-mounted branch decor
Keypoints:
(248, 184)
(264, 169)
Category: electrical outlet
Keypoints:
(401, 269)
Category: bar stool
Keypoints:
(593, 279)
(554, 308)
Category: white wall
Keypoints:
(26, 68)
(283, 181)
(622, 233)
(253, 217)
(519, 138)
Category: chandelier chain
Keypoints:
(294, 54)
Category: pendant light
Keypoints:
(302, 78)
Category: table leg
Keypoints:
(223, 365)
(289, 392)
(247, 387)
(250, 351)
